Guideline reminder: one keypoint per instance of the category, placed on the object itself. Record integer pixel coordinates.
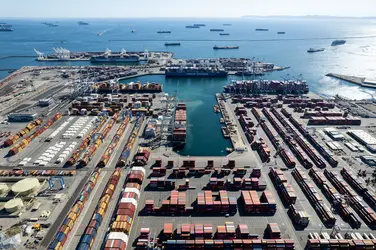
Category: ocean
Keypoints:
(357, 57)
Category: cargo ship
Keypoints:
(281, 32)
(199, 24)
(224, 34)
(338, 42)
(109, 57)
(312, 50)
(6, 27)
(172, 44)
(226, 47)
(82, 23)
(192, 27)
(179, 135)
(195, 72)
(267, 87)
(217, 30)
(164, 32)
(51, 24)
(262, 29)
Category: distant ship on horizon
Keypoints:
(5, 27)
(312, 50)
(338, 42)
(82, 23)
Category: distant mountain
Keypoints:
(310, 16)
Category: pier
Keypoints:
(361, 81)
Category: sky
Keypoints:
(182, 8)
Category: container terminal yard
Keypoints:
(90, 164)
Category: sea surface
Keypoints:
(357, 57)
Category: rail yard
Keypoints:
(91, 165)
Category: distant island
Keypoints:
(310, 16)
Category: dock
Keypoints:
(361, 81)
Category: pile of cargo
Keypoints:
(192, 231)
(286, 191)
(176, 205)
(115, 140)
(208, 203)
(335, 198)
(273, 231)
(247, 125)
(179, 134)
(262, 149)
(327, 156)
(299, 139)
(284, 130)
(130, 143)
(359, 186)
(158, 171)
(27, 140)
(37, 172)
(299, 218)
(142, 156)
(15, 137)
(315, 244)
(254, 205)
(267, 87)
(161, 184)
(286, 156)
(86, 158)
(307, 102)
(88, 237)
(234, 244)
(84, 144)
(117, 237)
(322, 210)
(334, 121)
(365, 212)
(72, 217)
(237, 183)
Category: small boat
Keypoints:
(192, 27)
(262, 29)
(224, 34)
(281, 32)
(312, 50)
(221, 120)
(199, 24)
(225, 132)
(133, 31)
(217, 30)
(100, 34)
(229, 150)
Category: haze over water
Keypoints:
(357, 57)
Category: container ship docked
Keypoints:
(195, 72)
(179, 135)
(111, 87)
(109, 57)
(267, 87)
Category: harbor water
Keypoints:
(357, 57)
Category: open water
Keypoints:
(357, 57)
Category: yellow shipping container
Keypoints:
(101, 211)
(58, 246)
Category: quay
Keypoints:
(361, 81)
